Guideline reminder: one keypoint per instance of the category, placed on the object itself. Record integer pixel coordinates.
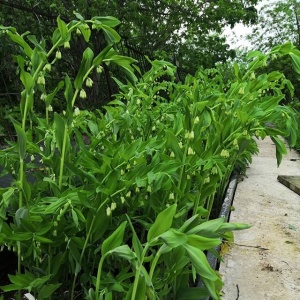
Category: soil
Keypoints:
(264, 261)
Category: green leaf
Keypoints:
(280, 148)
(85, 30)
(173, 238)
(233, 226)
(63, 28)
(201, 105)
(22, 280)
(50, 96)
(84, 68)
(21, 141)
(99, 58)
(114, 240)
(24, 236)
(21, 213)
(15, 37)
(295, 61)
(6, 196)
(137, 246)
(39, 46)
(124, 252)
(75, 217)
(47, 290)
(78, 16)
(207, 227)
(42, 239)
(199, 261)
(141, 289)
(112, 37)
(211, 287)
(108, 21)
(192, 293)
(59, 127)
(202, 243)
(162, 223)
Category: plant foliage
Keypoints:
(115, 203)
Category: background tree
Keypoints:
(183, 31)
(278, 23)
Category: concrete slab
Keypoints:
(292, 182)
(264, 261)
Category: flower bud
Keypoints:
(89, 82)
(196, 120)
(47, 67)
(191, 151)
(171, 196)
(113, 206)
(207, 179)
(172, 154)
(242, 91)
(191, 135)
(214, 170)
(108, 211)
(76, 111)
(224, 153)
(41, 80)
(58, 54)
(99, 69)
(67, 45)
(82, 94)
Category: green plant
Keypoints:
(120, 203)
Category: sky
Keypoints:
(236, 37)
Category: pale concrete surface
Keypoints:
(264, 262)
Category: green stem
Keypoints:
(182, 169)
(156, 258)
(62, 159)
(196, 204)
(137, 273)
(88, 237)
(98, 280)
(210, 204)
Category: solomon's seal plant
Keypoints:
(116, 203)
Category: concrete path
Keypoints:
(264, 261)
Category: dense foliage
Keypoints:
(115, 203)
(162, 27)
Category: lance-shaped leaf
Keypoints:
(59, 126)
(85, 65)
(162, 223)
(21, 141)
(199, 261)
(280, 148)
(114, 240)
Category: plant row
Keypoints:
(116, 203)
